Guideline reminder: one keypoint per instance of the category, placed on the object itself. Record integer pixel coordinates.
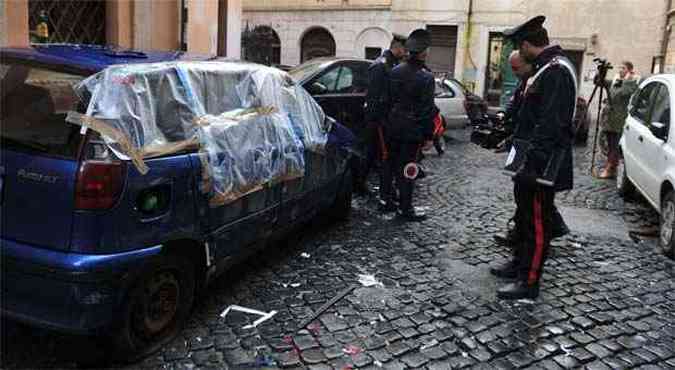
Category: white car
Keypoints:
(648, 148)
(449, 98)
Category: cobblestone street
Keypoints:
(607, 300)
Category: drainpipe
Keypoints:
(468, 60)
(666, 34)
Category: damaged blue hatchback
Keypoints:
(129, 180)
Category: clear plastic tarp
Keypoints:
(252, 122)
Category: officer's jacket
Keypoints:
(513, 105)
(411, 118)
(377, 99)
(545, 117)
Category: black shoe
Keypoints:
(411, 216)
(507, 239)
(518, 290)
(388, 206)
(508, 270)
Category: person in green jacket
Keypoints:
(620, 90)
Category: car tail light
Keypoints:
(99, 184)
(100, 178)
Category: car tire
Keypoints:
(155, 309)
(624, 186)
(341, 209)
(667, 227)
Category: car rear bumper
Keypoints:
(67, 292)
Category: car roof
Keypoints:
(331, 60)
(89, 59)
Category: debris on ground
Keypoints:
(369, 280)
(264, 315)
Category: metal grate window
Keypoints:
(71, 21)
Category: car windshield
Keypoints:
(34, 103)
(301, 72)
(458, 84)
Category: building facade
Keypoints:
(199, 26)
(467, 33)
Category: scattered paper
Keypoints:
(369, 280)
(264, 315)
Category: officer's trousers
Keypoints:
(376, 148)
(534, 220)
(403, 153)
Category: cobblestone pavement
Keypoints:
(607, 301)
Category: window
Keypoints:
(329, 79)
(661, 110)
(443, 91)
(34, 103)
(642, 103)
(345, 80)
(373, 53)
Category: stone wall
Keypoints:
(611, 29)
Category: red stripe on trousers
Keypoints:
(538, 240)
(383, 146)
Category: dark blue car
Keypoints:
(91, 246)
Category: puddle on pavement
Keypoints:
(476, 280)
(595, 222)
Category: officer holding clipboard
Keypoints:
(540, 161)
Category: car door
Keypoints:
(654, 148)
(343, 92)
(455, 114)
(230, 228)
(635, 131)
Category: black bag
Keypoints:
(519, 169)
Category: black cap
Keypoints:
(519, 33)
(418, 41)
(399, 38)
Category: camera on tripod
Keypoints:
(603, 66)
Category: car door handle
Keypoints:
(641, 139)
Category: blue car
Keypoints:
(91, 246)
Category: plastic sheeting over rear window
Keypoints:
(252, 121)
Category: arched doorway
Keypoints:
(317, 42)
(261, 45)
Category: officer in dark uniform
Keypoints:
(523, 71)
(411, 125)
(545, 123)
(376, 115)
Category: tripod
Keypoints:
(603, 89)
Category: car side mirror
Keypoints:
(660, 130)
(317, 88)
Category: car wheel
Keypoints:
(667, 225)
(342, 206)
(624, 186)
(156, 307)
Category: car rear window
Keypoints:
(34, 103)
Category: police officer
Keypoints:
(523, 71)
(545, 123)
(376, 115)
(411, 117)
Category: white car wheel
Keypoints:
(667, 225)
